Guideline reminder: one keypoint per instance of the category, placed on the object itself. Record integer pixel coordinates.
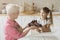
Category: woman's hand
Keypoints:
(33, 27)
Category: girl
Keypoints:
(45, 19)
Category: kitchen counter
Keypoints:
(41, 36)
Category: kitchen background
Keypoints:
(27, 7)
(38, 4)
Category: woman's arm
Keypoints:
(15, 34)
(24, 33)
(25, 28)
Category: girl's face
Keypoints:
(43, 14)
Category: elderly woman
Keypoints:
(13, 31)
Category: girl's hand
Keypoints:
(39, 29)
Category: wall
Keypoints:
(56, 4)
(9, 1)
(38, 3)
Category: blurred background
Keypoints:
(30, 11)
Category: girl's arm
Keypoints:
(48, 25)
(46, 28)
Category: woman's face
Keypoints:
(15, 15)
(43, 14)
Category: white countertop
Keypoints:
(40, 36)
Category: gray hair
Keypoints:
(12, 8)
